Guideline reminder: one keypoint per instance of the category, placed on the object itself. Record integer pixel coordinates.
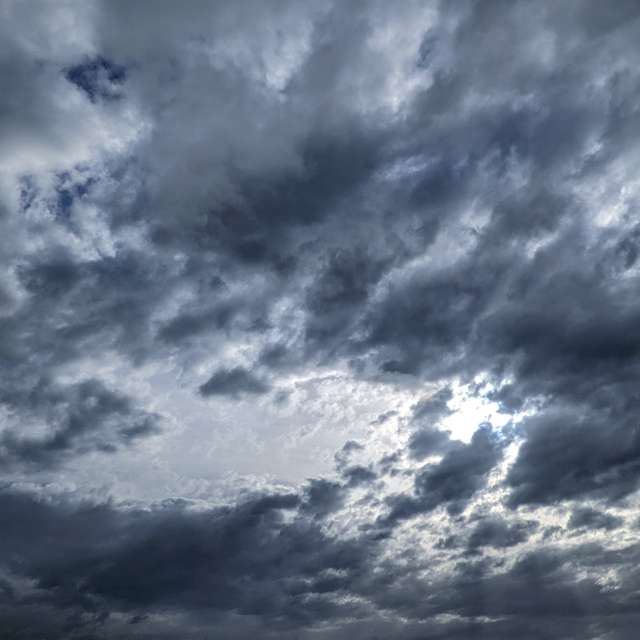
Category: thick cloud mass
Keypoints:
(319, 320)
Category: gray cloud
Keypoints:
(232, 382)
(497, 533)
(250, 559)
(567, 456)
(83, 417)
(453, 481)
(593, 519)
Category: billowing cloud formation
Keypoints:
(453, 481)
(83, 417)
(319, 320)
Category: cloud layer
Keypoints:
(319, 320)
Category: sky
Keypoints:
(319, 320)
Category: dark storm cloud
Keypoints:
(498, 533)
(358, 475)
(427, 439)
(539, 584)
(98, 78)
(490, 531)
(343, 456)
(83, 417)
(568, 454)
(72, 308)
(427, 442)
(74, 305)
(233, 382)
(339, 291)
(453, 481)
(257, 233)
(433, 408)
(586, 517)
(425, 319)
(539, 595)
(322, 497)
(230, 559)
(251, 559)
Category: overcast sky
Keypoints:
(319, 320)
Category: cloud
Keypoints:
(453, 481)
(359, 208)
(232, 382)
(223, 560)
(585, 517)
(253, 559)
(568, 455)
(427, 439)
(358, 475)
(98, 78)
(498, 533)
(80, 418)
